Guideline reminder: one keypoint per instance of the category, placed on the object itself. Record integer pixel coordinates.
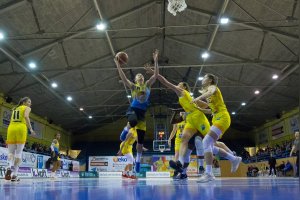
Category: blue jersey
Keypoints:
(140, 96)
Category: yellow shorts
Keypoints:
(16, 133)
(177, 143)
(141, 125)
(198, 122)
(222, 121)
(126, 149)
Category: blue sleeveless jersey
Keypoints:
(140, 96)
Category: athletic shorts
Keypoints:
(16, 133)
(222, 121)
(198, 122)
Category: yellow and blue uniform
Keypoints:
(195, 119)
(179, 132)
(55, 146)
(140, 102)
(221, 118)
(127, 148)
(17, 129)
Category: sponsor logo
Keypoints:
(3, 157)
(119, 159)
(99, 164)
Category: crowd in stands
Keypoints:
(282, 169)
(35, 148)
(279, 151)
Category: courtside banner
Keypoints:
(110, 174)
(107, 163)
(29, 160)
(88, 175)
(158, 174)
(3, 156)
(25, 172)
(39, 173)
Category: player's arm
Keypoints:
(210, 91)
(204, 110)
(292, 151)
(175, 118)
(172, 133)
(153, 78)
(169, 85)
(52, 147)
(125, 80)
(26, 116)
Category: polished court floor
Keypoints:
(158, 189)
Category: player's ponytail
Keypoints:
(213, 78)
(21, 102)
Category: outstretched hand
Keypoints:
(148, 68)
(155, 55)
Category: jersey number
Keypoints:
(16, 115)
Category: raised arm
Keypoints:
(210, 91)
(125, 80)
(172, 134)
(169, 85)
(153, 78)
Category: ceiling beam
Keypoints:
(12, 5)
(224, 54)
(110, 68)
(252, 26)
(86, 30)
(38, 78)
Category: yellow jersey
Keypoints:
(180, 127)
(18, 115)
(185, 102)
(216, 102)
(133, 137)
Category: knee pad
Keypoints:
(216, 150)
(129, 158)
(208, 143)
(18, 161)
(132, 119)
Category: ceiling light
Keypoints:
(191, 94)
(128, 96)
(224, 20)
(54, 85)
(256, 92)
(90, 117)
(1, 36)
(243, 103)
(81, 109)
(69, 98)
(200, 78)
(233, 113)
(275, 76)
(32, 65)
(101, 26)
(205, 55)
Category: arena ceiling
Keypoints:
(261, 39)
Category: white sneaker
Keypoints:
(235, 164)
(206, 178)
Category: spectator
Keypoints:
(288, 167)
(272, 164)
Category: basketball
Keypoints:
(122, 57)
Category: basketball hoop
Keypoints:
(161, 148)
(175, 6)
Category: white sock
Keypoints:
(138, 157)
(181, 159)
(16, 169)
(200, 162)
(208, 169)
(230, 156)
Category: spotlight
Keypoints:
(32, 65)
(243, 103)
(205, 55)
(275, 76)
(54, 85)
(101, 26)
(224, 20)
(69, 98)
